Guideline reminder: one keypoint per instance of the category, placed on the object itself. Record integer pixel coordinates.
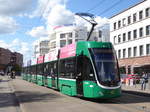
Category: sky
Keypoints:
(23, 22)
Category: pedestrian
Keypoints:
(143, 81)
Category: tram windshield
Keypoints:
(106, 66)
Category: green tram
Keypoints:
(86, 69)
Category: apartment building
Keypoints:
(130, 35)
(65, 35)
(41, 48)
(9, 58)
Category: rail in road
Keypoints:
(41, 99)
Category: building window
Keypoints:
(52, 45)
(62, 43)
(129, 52)
(114, 25)
(148, 30)
(124, 53)
(134, 34)
(100, 34)
(129, 19)
(129, 35)
(135, 51)
(141, 32)
(147, 49)
(141, 50)
(119, 54)
(70, 41)
(134, 17)
(124, 37)
(62, 35)
(140, 15)
(147, 12)
(119, 38)
(124, 22)
(114, 39)
(119, 24)
(69, 35)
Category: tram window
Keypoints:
(46, 68)
(88, 72)
(67, 68)
(34, 69)
(52, 69)
(40, 69)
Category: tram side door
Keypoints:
(45, 74)
(54, 75)
(79, 75)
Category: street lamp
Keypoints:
(92, 21)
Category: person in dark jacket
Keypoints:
(143, 81)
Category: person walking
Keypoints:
(143, 81)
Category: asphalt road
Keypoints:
(8, 100)
(34, 98)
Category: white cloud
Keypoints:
(44, 7)
(38, 32)
(3, 44)
(14, 7)
(7, 25)
(55, 13)
(18, 46)
(101, 21)
(59, 15)
(9, 8)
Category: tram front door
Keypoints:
(79, 76)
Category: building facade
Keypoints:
(5, 55)
(44, 47)
(130, 35)
(41, 48)
(65, 35)
(8, 58)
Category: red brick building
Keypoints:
(135, 65)
(9, 58)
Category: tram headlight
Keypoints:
(91, 86)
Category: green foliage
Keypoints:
(16, 67)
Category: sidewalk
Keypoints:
(136, 89)
(8, 100)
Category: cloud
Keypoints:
(7, 25)
(44, 7)
(3, 44)
(59, 15)
(55, 13)
(101, 21)
(38, 32)
(14, 7)
(18, 46)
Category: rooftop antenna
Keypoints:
(92, 21)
